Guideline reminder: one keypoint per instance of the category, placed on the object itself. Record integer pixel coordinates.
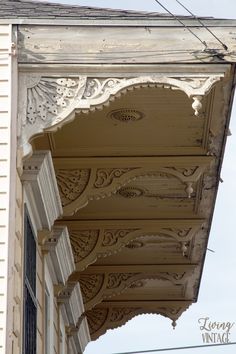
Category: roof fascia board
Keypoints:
(121, 69)
(148, 22)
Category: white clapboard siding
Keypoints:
(5, 121)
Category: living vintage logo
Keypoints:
(215, 332)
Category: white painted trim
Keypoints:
(38, 171)
(106, 70)
(71, 310)
(72, 346)
(83, 334)
(147, 21)
(76, 303)
(62, 335)
(64, 315)
(49, 286)
(29, 200)
(60, 257)
(72, 302)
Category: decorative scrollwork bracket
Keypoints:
(48, 102)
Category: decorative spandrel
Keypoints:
(90, 181)
(97, 287)
(103, 318)
(91, 244)
(48, 102)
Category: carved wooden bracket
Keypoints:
(48, 102)
(59, 254)
(41, 188)
(82, 181)
(94, 240)
(70, 298)
(96, 287)
(102, 318)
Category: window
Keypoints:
(30, 303)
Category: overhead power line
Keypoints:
(178, 348)
(181, 22)
(184, 25)
(202, 23)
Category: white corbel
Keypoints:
(41, 187)
(71, 301)
(60, 257)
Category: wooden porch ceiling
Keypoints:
(138, 181)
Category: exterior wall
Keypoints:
(14, 244)
(17, 270)
(9, 336)
(52, 269)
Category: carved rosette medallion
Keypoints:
(134, 245)
(126, 115)
(130, 192)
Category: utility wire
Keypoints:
(178, 348)
(182, 23)
(202, 23)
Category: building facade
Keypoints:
(112, 132)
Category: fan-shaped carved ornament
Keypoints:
(91, 285)
(71, 184)
(91, 244)
(97, 287)
(49, 97)
(47, 103)
(83, 243)
(101, 319)
(88, 245)
(78, 186)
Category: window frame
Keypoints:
(29, 287)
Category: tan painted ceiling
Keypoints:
(162, 119)
(137, 183)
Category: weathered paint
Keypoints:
(128, 45)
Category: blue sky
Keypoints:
(217, 298)
(215, 8)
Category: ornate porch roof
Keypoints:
(138, 179)
(137, 166)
